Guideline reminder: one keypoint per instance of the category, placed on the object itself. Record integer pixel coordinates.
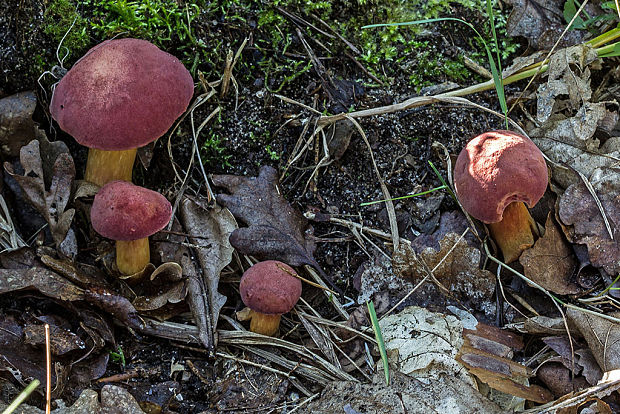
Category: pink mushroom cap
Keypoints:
(269, 287)
(495, 169)
(121, 94)
(124, 211)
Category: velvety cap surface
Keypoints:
(123, 211)
(498, 168)
(122, 94)
(269, 287)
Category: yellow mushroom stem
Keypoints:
(105, 166)
(263, 323)
(515, 233)
(132, 256)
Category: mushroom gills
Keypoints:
(515, 232)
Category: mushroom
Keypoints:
(269, 289)
(121, 95)
(129, 214)
(495, 174)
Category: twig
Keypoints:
(48, 371)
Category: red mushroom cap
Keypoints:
(121, 94)
(269, 287)
(498, 168)
(123, 211)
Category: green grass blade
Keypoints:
(377, 330)
(448, 189)
(22, 397)
(497, 78)
(369, 203)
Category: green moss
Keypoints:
(62, 19)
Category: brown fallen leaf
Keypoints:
(541, 22)
(62, 340)
(41, 279)
(551, 262)
(50, 204)
(210, 228)
(559, 379)
(275, 229)
(16, 125)
(578, 208)
(487, 352)
(165, 285)
(602, 336)
(457, 269)
(116, 305)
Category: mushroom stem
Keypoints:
(515, 232)
(265, 324)
(132, 256)
(105, 166)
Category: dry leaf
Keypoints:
(602, 336)
(568, 74)
(487, 353)
(50, 204)
(541, 22)
(458, 272)
(424, 344)
(404, 394)
(210, 229)
(45, 281)
(275, 229)
(551, 262)
(16, 125)
(62, 340)
(114, 304)
(578, 208)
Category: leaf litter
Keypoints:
(448, 261)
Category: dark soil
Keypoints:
(401, 143)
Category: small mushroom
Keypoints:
(129, 214)
(269, 289)
(495, 174)
(121, 95)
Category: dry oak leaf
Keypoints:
(275, 229)
(16, 124)
(551, 263)
(602, 336)
(49, 203)
(579, 209)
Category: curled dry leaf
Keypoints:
(16, 125)
(50, 204)
(210, 229)
(275, 229)
(487, 353)
(578, 209)
(551, 262)
(116, 305)
(602, 336)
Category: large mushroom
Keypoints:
(269, 289)
(495, 174)
(121, 95)
(129, 214)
